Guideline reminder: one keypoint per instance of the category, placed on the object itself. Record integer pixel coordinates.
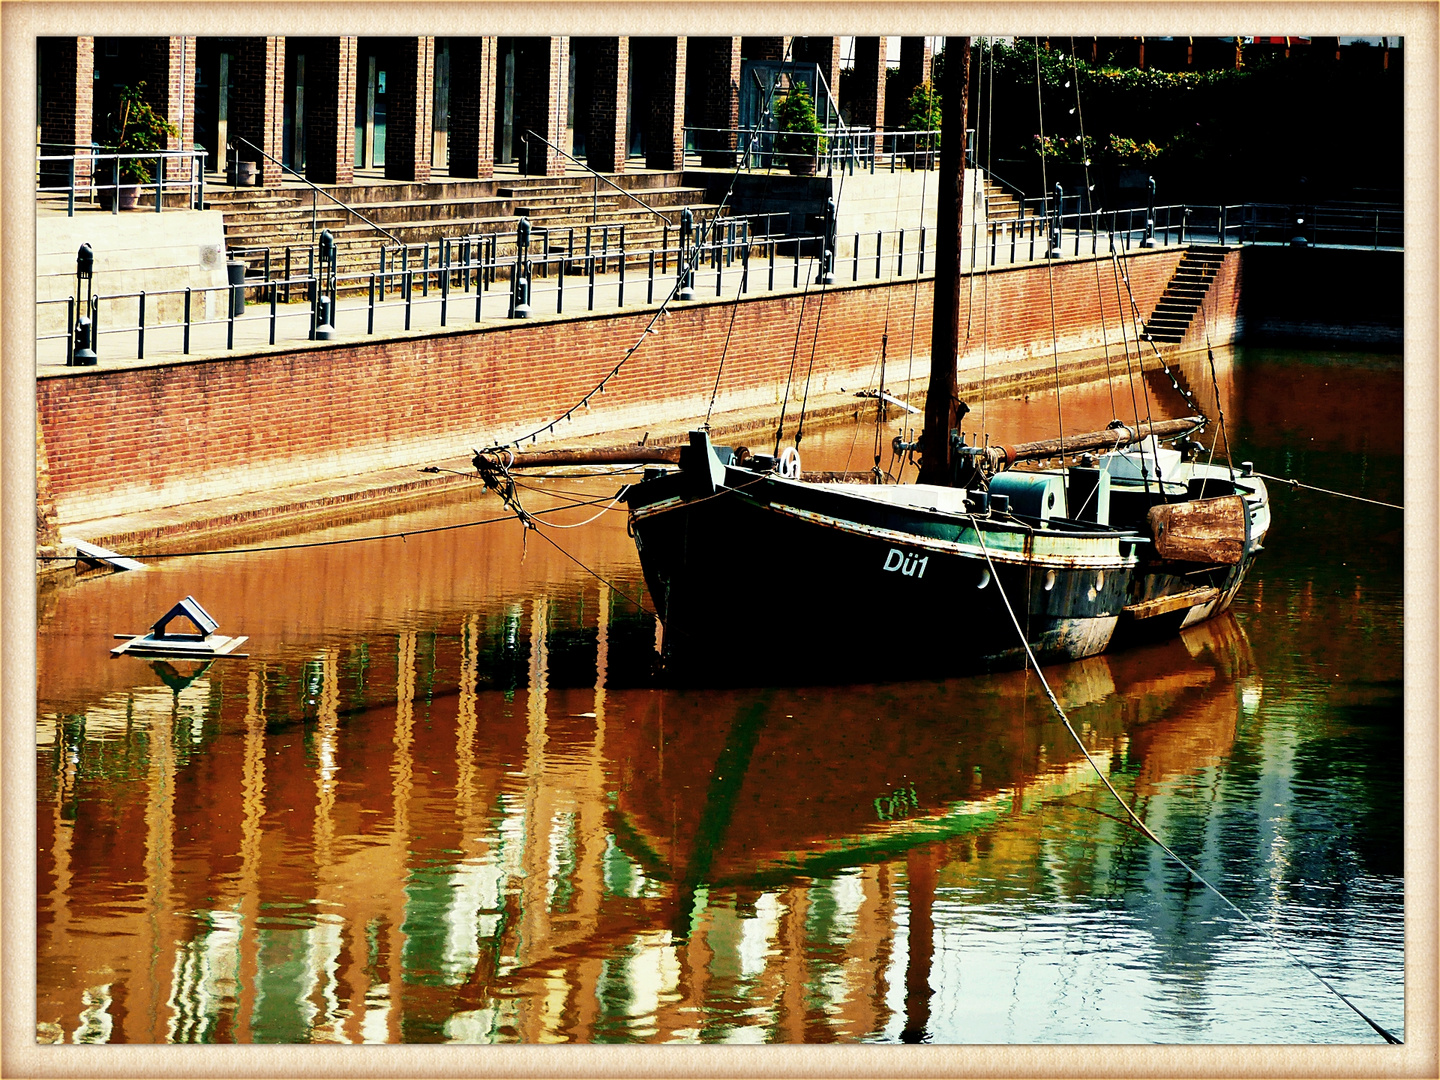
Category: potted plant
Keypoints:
(799, 136)
(135, 128)
(924, 119)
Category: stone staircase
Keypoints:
(258, 220)
(1000, 205)
(1182, 297)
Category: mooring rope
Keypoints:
(1327, 491)
(331, 543)
(1136, 819)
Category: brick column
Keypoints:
(67, 102)
(664, 135)
(167, 66)
(764, 48)
(867, 108)
(257, 72)
(542, 79)
(330, 110)
(410, 122)
(472, 107)
(714, 65)
(605, 141)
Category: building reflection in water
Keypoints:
(446, 800)
(464, 834)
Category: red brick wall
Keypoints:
(410, 122)
(765, 48)
(131, 439)
(472, 107)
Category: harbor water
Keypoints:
(449, 797)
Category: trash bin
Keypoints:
(235, 270)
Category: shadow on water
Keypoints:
(447, 799)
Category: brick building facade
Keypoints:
(327, 106)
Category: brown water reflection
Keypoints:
(445, 799)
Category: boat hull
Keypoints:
(775, 580)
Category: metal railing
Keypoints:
(119, 178)
(836, 147)
(480, 277)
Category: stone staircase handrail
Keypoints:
(322, 191)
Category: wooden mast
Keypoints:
(942, 401)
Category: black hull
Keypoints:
(774, 582)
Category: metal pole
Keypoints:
(922, 249)
(620, 295)
(409, 279)
(272, 316)
(230, 322)
(425, 272)
(855, 270)
(370, 312)
(771, 284)
(900, 255)
(650, 280)
(140, 344)
(444, 295)
(185, 341)
(70, 328)
(879, 244)
(560, 288)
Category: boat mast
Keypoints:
(942, 400)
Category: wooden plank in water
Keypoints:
(1162, 605)
(96, 554)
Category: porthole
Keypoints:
(1049, 580)
(984, 578)
(1100, 581)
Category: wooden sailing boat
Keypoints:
(761, 575)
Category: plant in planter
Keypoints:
(799, 136)
(136, 128)
(924, 116)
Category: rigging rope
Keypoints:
(1054, 245)
(692, 263)
(1135, 818)
(1085, 159)
(1327, 491)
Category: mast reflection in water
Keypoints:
(447, 800)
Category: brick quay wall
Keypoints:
(128, 438)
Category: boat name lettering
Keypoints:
(909, 565)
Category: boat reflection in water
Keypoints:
(470, 835)
(446, 799)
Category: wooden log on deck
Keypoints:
(600, 455)
(1108, 439)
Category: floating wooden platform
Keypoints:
(210, 647)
